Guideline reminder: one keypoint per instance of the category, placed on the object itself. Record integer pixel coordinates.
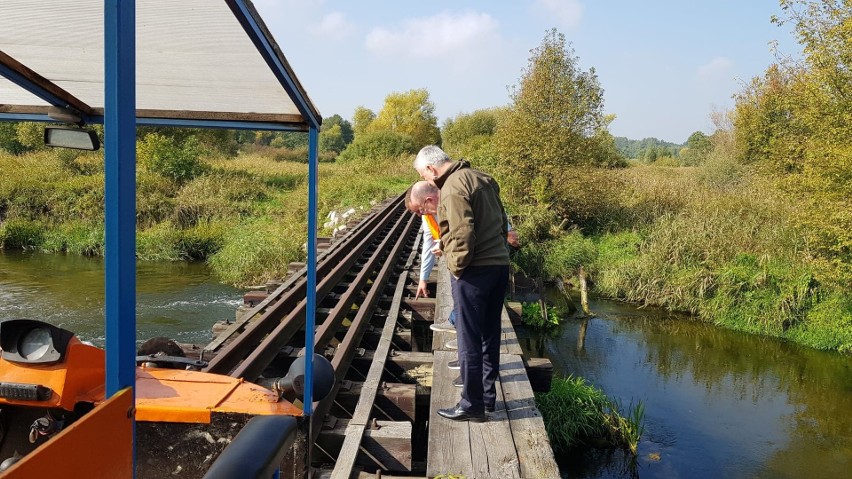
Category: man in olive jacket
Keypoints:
(473, 228)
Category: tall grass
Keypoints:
(718, 242)
(578, 414)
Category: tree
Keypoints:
(331, 139)
(467, 126)
(556, 111)
(9, 138)
(698, 146)
(346, 132)
(410, 113)
(361, 120)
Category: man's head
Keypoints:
(431, 162)
(423, 198)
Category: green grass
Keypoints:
(578, 414)
(245, 215)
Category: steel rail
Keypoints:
(292, 304)
(346, 350)
(266, 351)
(294, 287)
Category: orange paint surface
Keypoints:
(99, 445)
(85, 384)
(173, 395)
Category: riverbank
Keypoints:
(243, 215)
(726, 246)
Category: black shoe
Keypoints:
(456, 413)
(489, 408)
(454, 364)
(457, 382)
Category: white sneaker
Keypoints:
(445, 326)
(454, 344)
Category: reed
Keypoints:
(578, 414)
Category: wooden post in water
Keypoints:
(584, 291)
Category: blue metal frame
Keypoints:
(172, 122)
(120, 195)
(267, 51)
(310, 315)
(120, 177)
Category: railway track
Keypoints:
(362, 281)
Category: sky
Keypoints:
(664, 65)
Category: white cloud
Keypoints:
(717, 69)
(435, 36)
(566, 12)
(335, 25)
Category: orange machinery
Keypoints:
(51, 383)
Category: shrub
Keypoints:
(577, 413)
(75, 237)
(568, 253)
(532, 316)
(162, 155)
(21, 234)
(258, 250)
(378, 144)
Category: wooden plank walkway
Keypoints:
(513, 442)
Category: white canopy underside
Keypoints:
(191, 56)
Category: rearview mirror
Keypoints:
(76, 138)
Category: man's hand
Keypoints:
(422, 290)
(436, 250)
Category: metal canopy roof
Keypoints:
(198, 63)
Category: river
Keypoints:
(717, 403)
(177, 300)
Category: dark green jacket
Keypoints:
(473, 222)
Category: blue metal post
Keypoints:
(310, 313)
(120, 192)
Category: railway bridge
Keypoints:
(391, 373)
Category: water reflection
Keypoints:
(178, 300)
(717, 403)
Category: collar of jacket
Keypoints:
(439, 180)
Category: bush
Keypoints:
(21, 234)
(378, 145)
(568, 253)
(532, 317)
(76, 237)
(161, 155)
(576, 413)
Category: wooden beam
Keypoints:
(355, 438)
(45, 85)
(394, 401)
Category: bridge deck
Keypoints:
(513, 442)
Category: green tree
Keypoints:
(468, 127)
(9, 138)
(30, 135)
(347, 134)
(361, 120)
(331, 139)
(557, 109)
(698, 147)
(411, 113)
(795, 122)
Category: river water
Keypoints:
(177, 300)
(718, 404)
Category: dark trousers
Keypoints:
(478, 296)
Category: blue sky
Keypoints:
(664, 65)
